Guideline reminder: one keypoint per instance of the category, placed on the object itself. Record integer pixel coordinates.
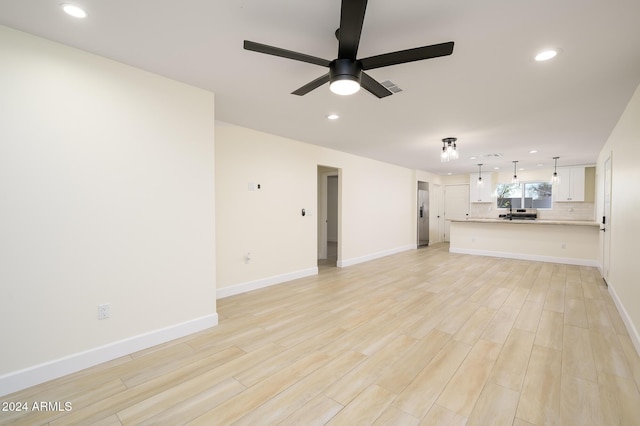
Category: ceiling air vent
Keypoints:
(391, 86)
(492, 156)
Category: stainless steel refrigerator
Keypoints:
(423, 214)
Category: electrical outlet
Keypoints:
(104, 311)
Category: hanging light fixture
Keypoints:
(514, 179)
(449, 150)
(479, 175)
(555, 179)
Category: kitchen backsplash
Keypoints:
(560, 211)
(569, 211)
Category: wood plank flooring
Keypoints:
(424, 337)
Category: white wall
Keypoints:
(624, 147)
(107, 196)
(377, 205)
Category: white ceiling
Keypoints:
(490, 93)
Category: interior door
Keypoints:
(605, 224)
(456, 205)
(436, 220)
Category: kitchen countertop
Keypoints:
(531, 222)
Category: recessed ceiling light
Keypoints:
(496, 168)
(473, 158)
(540, 164)
(449, 174)
(72, 10)
(333, 116)
(545, 55)
(533, 151)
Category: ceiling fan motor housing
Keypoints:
(345, 69)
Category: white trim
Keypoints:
(523, 256)
(631, 329)
(372, 256)
(264, 282)
(31, 376)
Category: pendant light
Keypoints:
(514, 179)
(479, 174)
(449, 150)
(555, 179)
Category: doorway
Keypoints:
(328, 216)
(423, 214)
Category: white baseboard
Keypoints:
(264, 282)
(31, 376)
(631, 329)
(372, 256)
(523, 256)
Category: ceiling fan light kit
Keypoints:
(345, 77)
(344, 87)
(346, 73)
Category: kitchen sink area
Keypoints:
(520, 214)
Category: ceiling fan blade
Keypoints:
(289, 54)
(373, 86)
(409, 55)
(351, 20)
(312, 85)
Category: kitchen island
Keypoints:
(557, 241)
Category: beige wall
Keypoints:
(377, 208)
(106, 183)
(624, 279)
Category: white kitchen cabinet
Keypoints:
(572, 184)
(480, 193)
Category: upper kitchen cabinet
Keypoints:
(480, 193)
(576, 184)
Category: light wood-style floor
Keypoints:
(421, 337)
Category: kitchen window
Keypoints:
(535, 195)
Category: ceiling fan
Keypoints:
(346, 73)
